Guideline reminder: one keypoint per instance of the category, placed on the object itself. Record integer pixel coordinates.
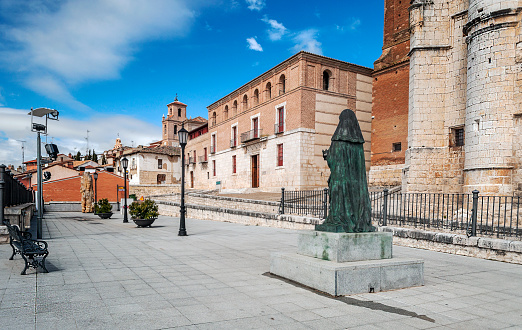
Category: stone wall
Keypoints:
(154, 189)
(385, 175)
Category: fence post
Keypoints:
(282, 208)
(474, 212)
(325, 203)
(2, 185)
(385, 208)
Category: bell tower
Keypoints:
(176, 115)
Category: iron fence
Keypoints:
(12, 191)
(304, 202)
(466, 213)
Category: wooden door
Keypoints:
(255, 171)
(255, 123)
(192, 179)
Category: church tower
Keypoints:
(176, 115)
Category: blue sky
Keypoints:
(111, 68)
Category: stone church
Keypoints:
(463, 121)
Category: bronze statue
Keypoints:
(350, 209)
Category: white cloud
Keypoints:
(255, 4)
(277, 30)
(254, 45)
(69, 134)
(307, 40)
(352, 25)
(2, 98)
(72, 42)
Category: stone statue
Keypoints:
(350, 209)
(87, 193)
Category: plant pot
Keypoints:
(144, 222)
(105, 215)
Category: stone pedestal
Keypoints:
(346, 263)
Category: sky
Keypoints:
(110, 67)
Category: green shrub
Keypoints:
(147, 209)
(103, 206)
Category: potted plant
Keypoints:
(103, 208)
(143, 213)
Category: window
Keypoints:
(280, 154)
(245, 102)
(213, 118)
(233, 141)
(213, 144)
(194, 156)
(170, 111)
(214, 167)
(164, 129)
(234, 108)
(160, 164)
(457, 136)
(175, 130)
(282, 85)
(234, 164)
(280, 120)
(397, 146)
(326, 80)
(161, 178)
(268, 91)
(256, 97)
(179, 112)
(205, 154)
(225, 113)
(255, 127)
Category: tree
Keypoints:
(94, 156)
(78, 156)
(88, 156)
(103, 160)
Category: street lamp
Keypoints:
(183, 135)
(95, 176)
(125, 163)
(40, 129)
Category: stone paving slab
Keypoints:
(105, 274)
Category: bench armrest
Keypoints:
(41, 244)
(26, 234)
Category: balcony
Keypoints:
(191, 160)
(279, 128)
(212, 149)
(233, 143)
(251, 135)
(203, 159)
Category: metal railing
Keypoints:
(304, 202)
(212, 149)
(191, 160)
(203, 159)
(233, 143)
(467, 213)
(251, 135)
(279, 128)
(12, 191)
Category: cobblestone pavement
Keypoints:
(105, 274)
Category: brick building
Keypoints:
(390, 98)
(270, 132)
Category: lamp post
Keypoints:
(125, 163)
(95, 176)
(183, 135)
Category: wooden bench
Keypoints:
(30, 249)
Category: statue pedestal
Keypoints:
(346, 263)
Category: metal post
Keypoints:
(474, 212)
(182, 229)
(325, 203)
(125, 220)
(118, 197)
(95, 194)
(39, 204)
(385, 208)
(2, 185)
(282, 200)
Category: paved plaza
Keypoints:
(105, 274)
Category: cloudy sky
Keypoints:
(112, 66)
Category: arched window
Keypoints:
(256, 97)
(179, 112)
(268, 90)
(245, 102)
(234, 108)
(170, 111)
(164, 129)
(282, 85)
(175, 129)
(213, 118)
(326, 80)
(225, 113)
